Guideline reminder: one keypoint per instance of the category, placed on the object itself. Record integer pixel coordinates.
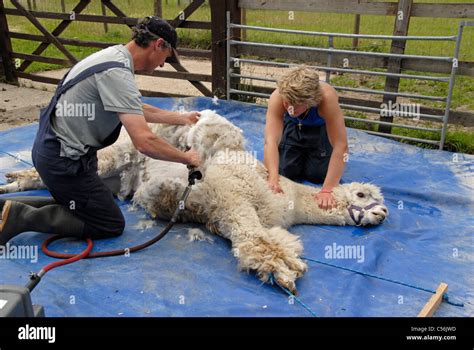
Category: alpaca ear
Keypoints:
(353, 186)
(377, 194)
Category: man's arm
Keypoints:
(146, 142)
(157, 115)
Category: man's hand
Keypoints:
(325, 200)
(193, 158)
(274, 186)
(191, 118)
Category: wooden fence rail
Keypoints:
(218, 54)
(47, 38)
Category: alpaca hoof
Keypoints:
(9, 188)
(296, 265)
(288, 285)
(11, 177)
(271, 256)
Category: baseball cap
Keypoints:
(163, 29)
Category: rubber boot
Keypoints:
(56, 219)
(34, 201)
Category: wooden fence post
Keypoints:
(104, 13)
(402, 21)
(158, 8)
(244, 22)
(236, 17)
(9, 70)
(218, 47)
(355, 41)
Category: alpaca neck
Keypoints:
(308, 211)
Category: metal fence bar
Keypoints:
(329, 59)
(331, 51)
(343, 88)
(451, 82)
(395, 136)
(250, 93)
(413, 127)
(344, 35)
(345, 70)
(378, 110)
(228, 36)
(347, 52)
(346, 106)
(257, 94)
(381, 92)
(234, 75)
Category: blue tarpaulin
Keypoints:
(427, 239)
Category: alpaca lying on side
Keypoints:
(233, 199)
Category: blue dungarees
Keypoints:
(304, 149)
(75, 183)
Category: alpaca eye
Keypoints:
(360, 194)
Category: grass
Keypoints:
(456, 140)
(463, 95)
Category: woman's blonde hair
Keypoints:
(300, 85)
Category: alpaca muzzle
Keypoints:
(352, 209)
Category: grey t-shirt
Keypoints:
(87, 113)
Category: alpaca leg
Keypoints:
(161, 197)
(267, 251)
(120, 166)
(292, 249)
(116, 158)
(22, 180)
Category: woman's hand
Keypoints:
(191, 118)
(274, 186)
(325, 199)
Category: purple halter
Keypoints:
(361, 210)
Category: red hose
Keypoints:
(69, 260)
(116, 252)
(35, 278)
(86, 254)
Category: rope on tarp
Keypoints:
(298, 300)
(445, 295)
(17, 158)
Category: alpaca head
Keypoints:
(213, 133)
(364, 204)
